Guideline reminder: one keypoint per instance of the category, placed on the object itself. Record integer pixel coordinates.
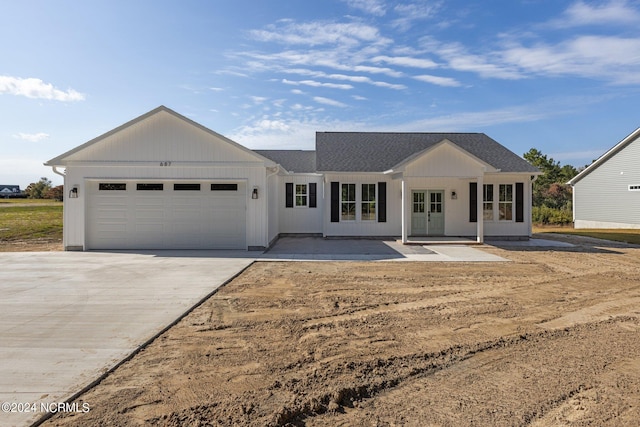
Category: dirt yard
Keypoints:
(551, 338)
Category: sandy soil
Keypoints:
(31, 245)
(552, 338)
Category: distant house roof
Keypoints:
(606, 156)
(300, 161)
(9, 189)
(381, 151)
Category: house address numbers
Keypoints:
(165, 163)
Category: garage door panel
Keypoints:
(166, 219)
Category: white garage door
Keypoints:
(166, 215)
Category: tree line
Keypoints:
(43, 190)
(552, 196)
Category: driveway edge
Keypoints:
(141, 347)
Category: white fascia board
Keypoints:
(155, 163)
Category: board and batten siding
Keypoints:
(392, 225)
(300, 219)
(602, 198)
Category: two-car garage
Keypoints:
(165, 214)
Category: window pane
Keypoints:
(301, 194)
(224, 187)
(186, 187)
(348, 192)
(348, 211)
(369, 211)
(368, 192)
(108, 186)
(506, 211)
(149, 187)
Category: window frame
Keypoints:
(302, 197)
(488, 203)
(368, 203)
(348, 202)
(504, 204)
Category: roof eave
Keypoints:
(606, 156)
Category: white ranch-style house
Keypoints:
(163, 181)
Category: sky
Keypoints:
(559, 76)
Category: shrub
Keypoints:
(546, 215)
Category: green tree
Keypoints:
(38, 190)
(550, 189)
(56, 193)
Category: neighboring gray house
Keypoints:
(10, 191)
(607, 193)
(163, 181)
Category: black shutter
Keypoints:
(519, 202)
(335, 201)
(382, 202)
(312, 195)
(289, 195)
(473, 202)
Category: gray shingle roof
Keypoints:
(381, 151)
(301, 161)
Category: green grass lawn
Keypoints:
(622, 235)
(19, 222)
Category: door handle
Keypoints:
(428, 216)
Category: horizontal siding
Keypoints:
(444, 161)
(604, 196)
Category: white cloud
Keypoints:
(389, 85)
(319, 33)
(406, 61)
(297, 92)
(36, 89)
(488, 66)
(612, 12)
(32, 137)
(359, 98)
(328, 101)
(216, 89)
(601, 57)
(258, 99)
(440, 81)
(411, 12)
(314, 83)
(477, 119)
(372, 7)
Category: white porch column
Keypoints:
(480, 209)
(404, 211)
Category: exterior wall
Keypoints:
(603, 195)
(273, 198)
(74, 209)
(358, 227)
(496, 227)
(160, 138)
(456, 220)
(299, 219)
(603, 224)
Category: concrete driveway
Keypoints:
(68, 317)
